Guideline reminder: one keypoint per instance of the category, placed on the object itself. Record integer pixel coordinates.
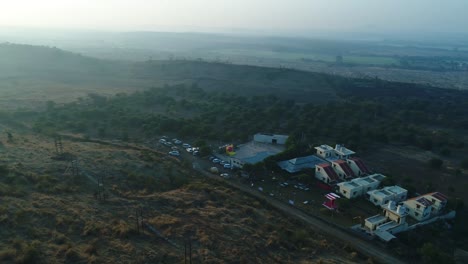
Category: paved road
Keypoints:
(362, 246)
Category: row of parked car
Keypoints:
(221, 162)
(173, 144)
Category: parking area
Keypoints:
(308, 197)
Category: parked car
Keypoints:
(196, 152)
(222, 162)
(211, 158)
(227, 166)
(185, 145)
(175, 148)
(189, 150)
(169, 144)
(177, 142)
(174, 153)
(224, 175)
(216, 160)
(162, 140)
(165, 137)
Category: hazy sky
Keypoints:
(215, 15)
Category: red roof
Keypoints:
(424, 201)
(439, 196)
(345, 167)
(360, 165)
(329, 172)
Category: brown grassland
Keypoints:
(49, 215)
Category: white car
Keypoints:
(174, 153)
(189, 150)
(216, 160)
(162, 140)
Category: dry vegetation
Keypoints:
(48, 216)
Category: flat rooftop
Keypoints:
(363, 181)
(324, 147)
(343, 151)
(254, 152)
(349, 184)
(395, 189)
(376, 219)
(381, 193)
(378, 177)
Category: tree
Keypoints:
(10, 136)
(436, 163)
(464, 163)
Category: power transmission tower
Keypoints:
(58, 145)
(188, 251)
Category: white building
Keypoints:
(358, 167)
(342, 152)
(325, 151)
(360, 186)
(439, 201)
(251, 153)
(387, 194)
(419, 208)
(270, 138)
(343, 169)
(325, 173)
(392, 222)
(329, 153)
(426, 206)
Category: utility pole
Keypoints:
(139, 218)
(58, 145)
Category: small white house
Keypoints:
(329, 153)
(343, 170)
(426, 206)
(325, 151)
(270, 138)
(358, 167)
(419, 208)
(325, 173)
(387, 194)
(439, 201)
(342, 152)
(392, 222)
(359, 186)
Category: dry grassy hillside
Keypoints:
(49, 215)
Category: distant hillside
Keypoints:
(44, 62)
(241, 80)
(31, 75)
(40, 71)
